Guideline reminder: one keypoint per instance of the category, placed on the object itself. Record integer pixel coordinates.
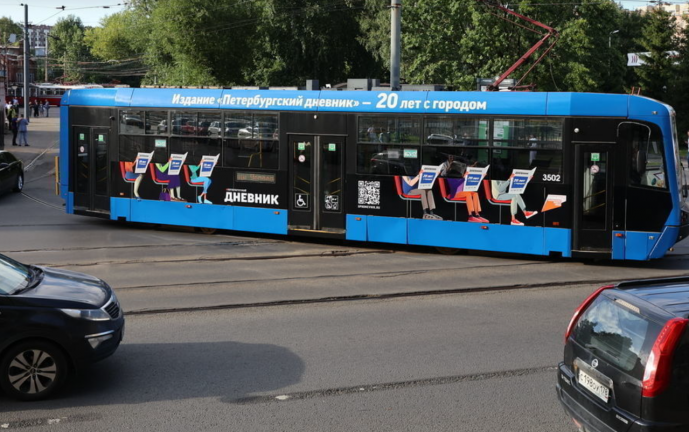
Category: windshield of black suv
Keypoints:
(616, 332)
(14, 276)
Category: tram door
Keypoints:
(593, 216)
(317, 183)
(90, 169)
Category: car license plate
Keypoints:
(595, 387)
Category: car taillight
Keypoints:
(659, 364)
(582, 307)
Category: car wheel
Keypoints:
(19, 185)
(32, 370)
(207, 231)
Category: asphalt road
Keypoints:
(473, 362)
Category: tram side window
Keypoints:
(527, 143)
(131, 145)
(156, 122)
(250, 153)
(548, 164)
(647, 159)
(402, 130)
(195, 148)
(456, 131)
(238, 123)
(206, 119)
(131, 122)
(183, 123)
(251, 140)
(388, 159)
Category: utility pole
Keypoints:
(46, 56)
(395, 41)
(26, 61)
(4, 61)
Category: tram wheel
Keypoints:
(207, 231)
(448, 250)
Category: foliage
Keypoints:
(8, 27)
(68, 47)
(309, 39)
(119, 44)
(197, 43)
(658, 38)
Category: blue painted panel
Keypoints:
(182, 214)
(64, 161)
(523, 103)
(508, 103)
(120, 208)
(262, 220)
(558, 240)
(387, 229)
(587, 104)
(468, 235)
(619, 245)
(90, 97)
(668, 238)
(356, 229)
(640, 106)
(124, 97)
(69, 203)
(637, 245)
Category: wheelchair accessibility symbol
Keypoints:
(301, 201)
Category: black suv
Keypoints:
(626, 362)
(52, 321)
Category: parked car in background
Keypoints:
(626, 358)
(11, 173)
(52, 322)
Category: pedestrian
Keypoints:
(23, 126)
(35, 108)
(14, 127)
(47, 108)
(41, 106)
(12, 113)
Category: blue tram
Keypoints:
(553, 174)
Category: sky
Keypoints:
(46, 12)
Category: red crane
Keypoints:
(550, 32)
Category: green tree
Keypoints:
(631, 27)
(198, 43)
(68, 47)
(680, 84)
(298, 40)
(450, 42)
(658, 39)
(120, 43)
(8, 27)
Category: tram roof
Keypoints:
(374, 102)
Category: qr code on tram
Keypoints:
(369, 193)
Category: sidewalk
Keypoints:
(43, 133)
(39, 158)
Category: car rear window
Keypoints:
(617, 333)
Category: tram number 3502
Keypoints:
(551, 177)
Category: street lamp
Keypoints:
(610, 37)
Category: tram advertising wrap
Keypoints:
(555, 174)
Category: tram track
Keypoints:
(371, 297)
